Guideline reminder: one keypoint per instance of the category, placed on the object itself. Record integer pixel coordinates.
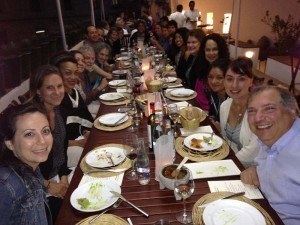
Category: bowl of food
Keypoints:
(190, 117)
(167, 179)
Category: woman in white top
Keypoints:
(233, 115)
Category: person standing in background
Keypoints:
(192, 15)
(178, 16)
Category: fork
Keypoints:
(117, 203)
(108, 155)
(211, 138)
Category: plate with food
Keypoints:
(105, 157)
(94, 195)
(111, 96)
(201, 142)
(234, 212)
(117, 83)
(182, 92)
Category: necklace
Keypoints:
(233, 133)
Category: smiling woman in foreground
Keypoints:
(26, 141)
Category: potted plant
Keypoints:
(286, 31)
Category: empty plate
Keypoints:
(182, 92)
(113, 119)
(111, 96)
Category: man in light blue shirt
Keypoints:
(272, 117)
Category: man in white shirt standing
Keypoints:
(192, 16)
(178, 16)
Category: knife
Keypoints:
(119, 120)
(226, 197)
(125, 200)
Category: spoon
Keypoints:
(109, 156)
(176, 171)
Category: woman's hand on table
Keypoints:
(249, 176)
(58, 189)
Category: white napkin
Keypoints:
(174, 86)
(122, 90)
(180, 105)
(86, 178)
(185, 132)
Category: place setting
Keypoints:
(180, 94)
(202, 147)
(117, 83)
(120, 73)
(114, 98)
(106, 161)
(229, 208)
(113, 121)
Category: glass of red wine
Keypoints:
(130, 148)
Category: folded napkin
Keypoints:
(175, 86)
(122, 90)
(86, 178)
(181, 105)
(185, 132)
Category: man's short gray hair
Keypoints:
(288, 100)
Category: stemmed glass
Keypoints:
(174, 115)
(184, 188)
(130, 148)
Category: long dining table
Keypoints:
(158, 203)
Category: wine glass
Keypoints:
(184, 188)
(174, 115)
(130, 148)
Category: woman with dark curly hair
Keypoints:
(212, 47)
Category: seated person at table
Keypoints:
(47, 91)
(213, 47)
(95, 78)
(113, 41)
(87, 95)
(92, 37)
(233, 115)
(216, 93)
(26, 141)
(141, 34)
(272, 116)
(73, 109)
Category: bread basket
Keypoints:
(191, 117)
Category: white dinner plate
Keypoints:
(182, 92)
(97, 193)
(216, 142)
(98, 157)
(111, 96)
(117, 83)
(233, 212)
(119, 72)
(123, 58)
(168, 79)
(113, 119)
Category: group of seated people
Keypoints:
(38, 138)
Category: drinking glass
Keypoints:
(174, 115)
(184, 188)
(130, 148)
